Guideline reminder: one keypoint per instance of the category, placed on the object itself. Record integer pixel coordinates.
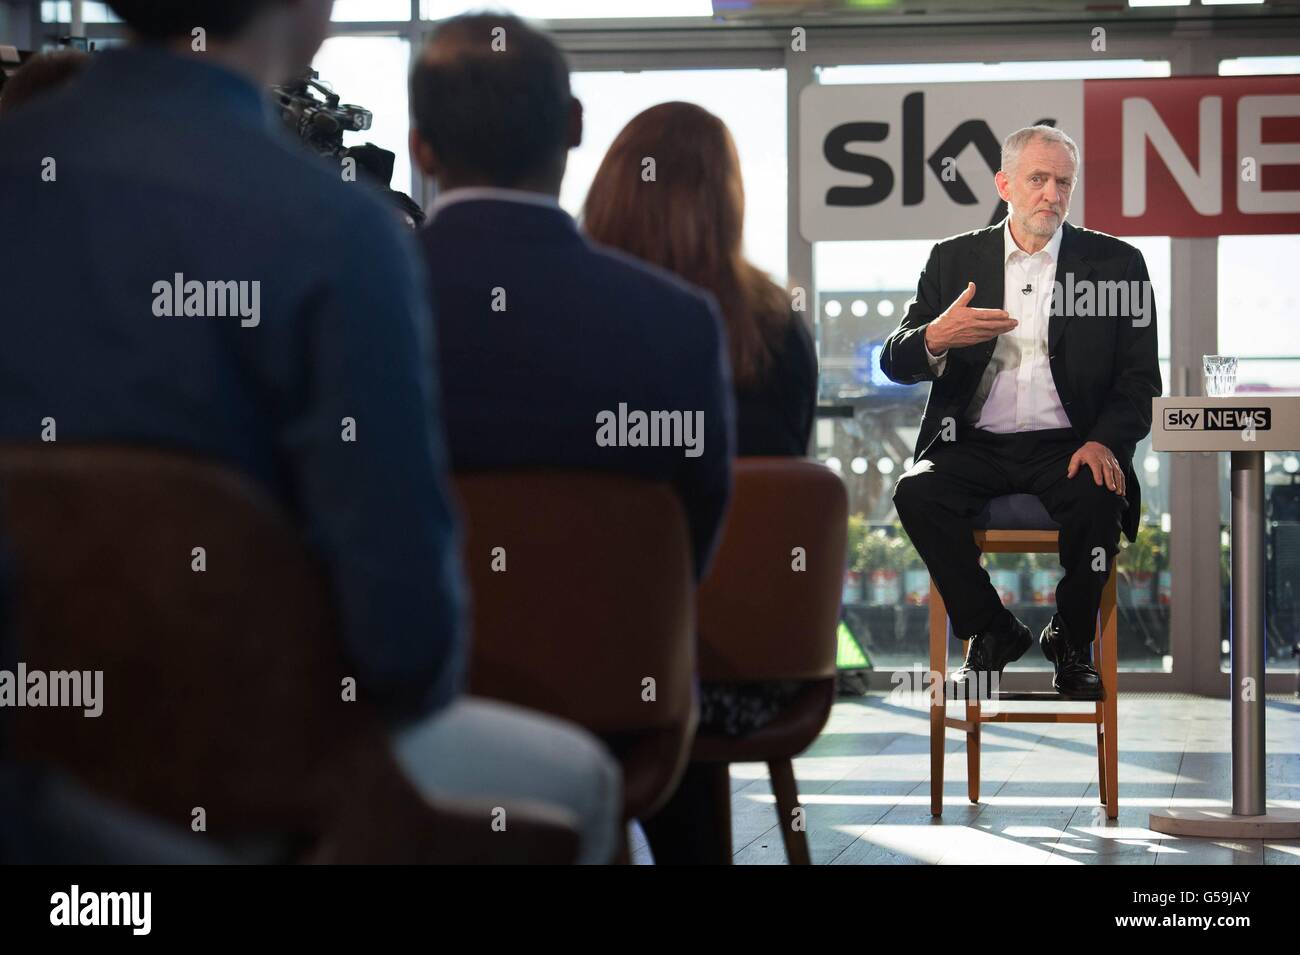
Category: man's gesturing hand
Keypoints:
(961, 325)
(1105, 469)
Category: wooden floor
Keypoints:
(865, 785)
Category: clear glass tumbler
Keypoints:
(1220, 374)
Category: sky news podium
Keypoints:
(1244, 426)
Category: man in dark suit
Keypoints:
(547, 342)
(1039, 339)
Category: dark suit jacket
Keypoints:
(774, 415)
(1105, 368)
(584, 329)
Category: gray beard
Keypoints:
(1032, 227)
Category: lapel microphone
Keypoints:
(1027, 289)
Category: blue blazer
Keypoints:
(543, 335)
(163, 165)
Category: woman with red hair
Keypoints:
(689, 218)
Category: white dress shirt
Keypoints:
(466, 193)
(1017, 392)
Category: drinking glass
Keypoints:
(1220, 374)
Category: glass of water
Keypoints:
(1220, 374)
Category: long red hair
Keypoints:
(690, 220)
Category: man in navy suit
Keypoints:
(552, 349)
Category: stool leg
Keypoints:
(787, 801)
(938, 695)
(1110, 691)
(1098, 651)
(1101, 755)
(973, 749)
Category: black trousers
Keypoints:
(938, 498)
(694, 826)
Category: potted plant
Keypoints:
(916, 579)
(1138, 563)
(882, 562)
(1164, 579)
(1004, 573)
(853, 577)
(1044, 574)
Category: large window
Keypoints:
(571, 9)
(354, 11)
(1258, 305)
(375, 10)
(60, 11)
(862, 288)
(371, 71)
(750, 102)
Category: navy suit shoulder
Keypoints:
(967, 243)
(775, 414)
(652, 280)
(1103, 251)
(541, 332)
(1099, 248)
(973, 238)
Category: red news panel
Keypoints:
(1155, 166)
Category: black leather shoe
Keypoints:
(988, 652)
(1076, 678)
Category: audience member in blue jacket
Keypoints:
(177, 273)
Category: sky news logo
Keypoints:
(1218, 419)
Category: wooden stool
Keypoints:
(1018, 523)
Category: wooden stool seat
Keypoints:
(1033, 532)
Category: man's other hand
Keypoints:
(962, 325)
(1103, 465)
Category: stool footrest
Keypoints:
(1021, 696)
(1041, 718)
(1032, 696)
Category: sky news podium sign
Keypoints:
(1188, 156)
(1264, 421)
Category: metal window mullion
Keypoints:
(799, 75)
(1194, 478)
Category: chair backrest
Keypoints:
(581, 591)
(222, 678)
(761, 618)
